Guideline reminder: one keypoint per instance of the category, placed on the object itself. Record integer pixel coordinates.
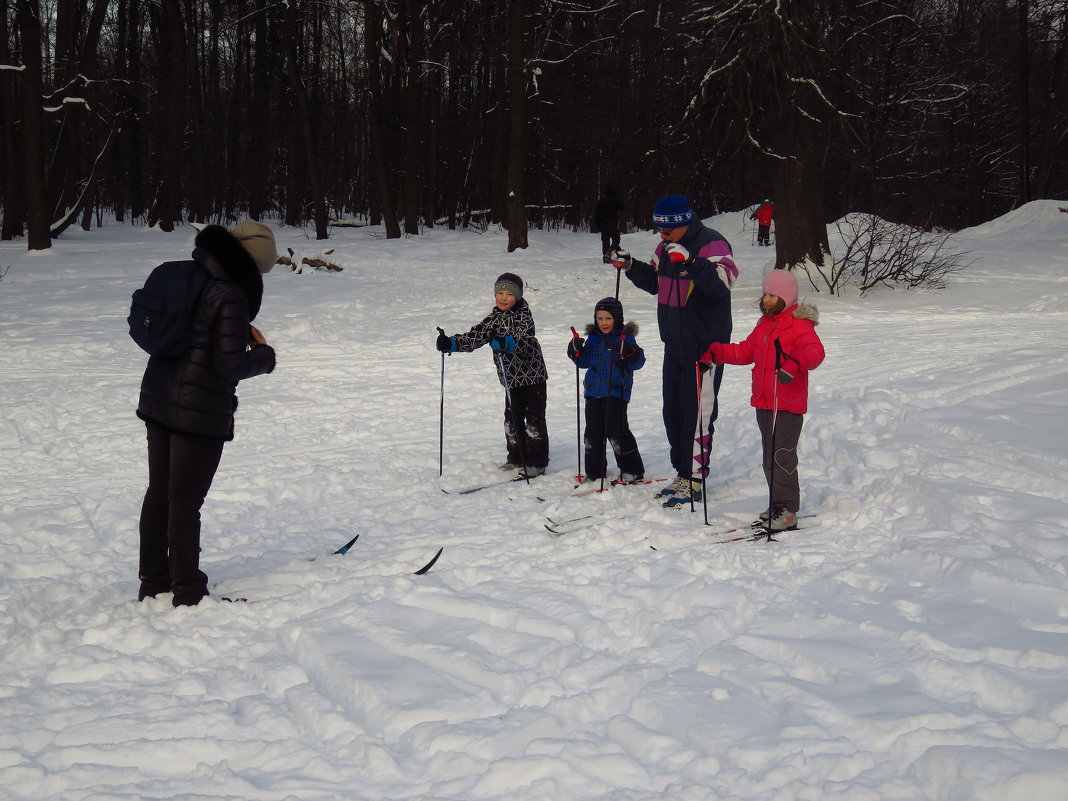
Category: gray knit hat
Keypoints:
(509, 282)
(258, 240)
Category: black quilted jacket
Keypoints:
(196, 393)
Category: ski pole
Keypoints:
(441, 417)
(619, 270)
(578, 416)
(519, 434)
(704, 462)
(774, 419)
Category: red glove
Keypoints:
(677, 253)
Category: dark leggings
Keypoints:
(606, 418)
(180, 471)
(609, 240)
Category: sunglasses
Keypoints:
(665, 231)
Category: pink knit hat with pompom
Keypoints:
(782, 284)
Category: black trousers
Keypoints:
(609, 240)
(606, 418)
(680, 412)
(524, 426)
(181, 468)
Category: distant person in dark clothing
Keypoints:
(763, 217)
(606, 220)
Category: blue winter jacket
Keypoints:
(601, 358)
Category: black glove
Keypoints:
(574, 348)
(630, 355)
(445, 343)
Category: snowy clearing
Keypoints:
(908, 644)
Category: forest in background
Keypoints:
(418, 113)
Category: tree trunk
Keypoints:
(173, 87)
(295, 178)
(800, 230)
(515, 209)
(127, 159)
(27, 12)
(1024, 94)
(379, 172)
(1047, 137)
(257, 167)
(412, 116)
(11, 190)
(304, 117)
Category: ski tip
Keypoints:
(426, 568)
(344, 549)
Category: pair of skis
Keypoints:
(579, 488)
(491, 485)
(750, 533)
(344, 549)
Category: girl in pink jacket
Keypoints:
(785, 337)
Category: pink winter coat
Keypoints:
(795, 328)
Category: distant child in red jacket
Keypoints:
(780, 397)
(763, 216)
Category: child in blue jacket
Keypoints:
(610, 355)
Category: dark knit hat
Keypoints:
(509, 282)
(613, 307)
(672, 211)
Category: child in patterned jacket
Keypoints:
(509, 331)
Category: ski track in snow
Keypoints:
(909, 645)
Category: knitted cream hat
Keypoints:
(258, 240)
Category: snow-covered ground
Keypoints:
(911, 644)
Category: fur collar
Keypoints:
(806, 311)
(630, 329)
(217, 247)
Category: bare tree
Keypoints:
(11, 191)
(515, 204)
(875, 252)
(377, 156)
(28, 16)
(172, 84)
(290, 29)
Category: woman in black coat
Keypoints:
(188, 404)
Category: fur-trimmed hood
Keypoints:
(630, 329)
(806, 311)
(224, 257)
